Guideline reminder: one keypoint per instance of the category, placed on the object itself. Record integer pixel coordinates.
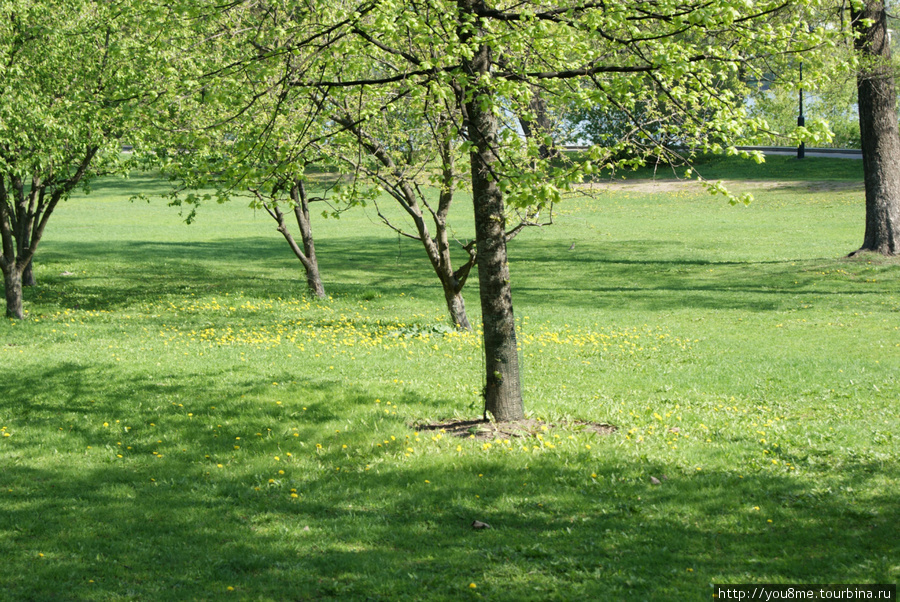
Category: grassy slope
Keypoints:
(181, 421)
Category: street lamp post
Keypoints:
(801, 150)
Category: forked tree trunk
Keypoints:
(502, 392)
(22, 224)
(12, 281)
(878, 131)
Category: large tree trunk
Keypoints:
(502, 392)
(878, 131)
(12, 281)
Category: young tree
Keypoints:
(487, 63)
(400, 170)
(75, 85)
(214, 165)
(878, 128)
(234, 129)
(490, 59)
(409, 148)
(243, 129)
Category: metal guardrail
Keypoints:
(774, 150)
(793, 149)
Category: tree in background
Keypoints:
(825, 76)
(75, 85)
(412, 149)
(489, 71)
(254, 157)
(488, 61)
(424, 156)
(235, 129)
(832, 102)
(878, 128)
(239, 128)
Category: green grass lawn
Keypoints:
(775, 167)
(181, 423)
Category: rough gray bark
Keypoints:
(12, 282)
(301, 213)
(28, 275)
(502, 392)
(28, 207)
(11, 263)
(879, 133)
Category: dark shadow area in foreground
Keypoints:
(391, 534)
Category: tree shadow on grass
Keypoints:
(544, 274)
(174, 529)
(184, 514)
(600, 275)
(145, 270)
(95, 402)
